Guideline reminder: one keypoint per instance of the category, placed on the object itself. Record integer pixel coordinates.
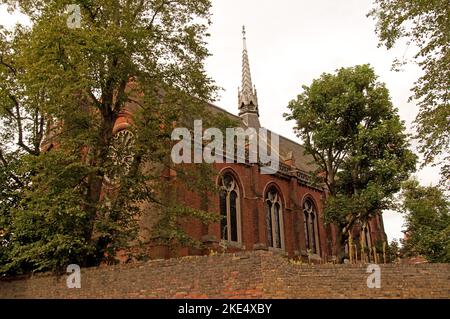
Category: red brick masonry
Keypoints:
(257, 274)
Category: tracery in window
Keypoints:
(310, 222)
(229, 200)
(274, 219)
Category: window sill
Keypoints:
(277, 250)
(312, 256)
(231, 244)
(316, 257)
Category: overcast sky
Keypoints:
(292, 42)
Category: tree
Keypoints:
(349, 126)
(393, 251)
(22, 131)
(427, 215)
(145, 55)
(426, 25)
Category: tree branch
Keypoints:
(9, 66)
(120, 95)
(94, 99)
(157, 11)
(339, 161)
(6, 164)
(3, 159)
(20, 141)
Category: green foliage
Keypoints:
(393, 251)
(426, 25)
(354, 134)
(46, 226)
(80, 201)
(10, 186)
(427, 214)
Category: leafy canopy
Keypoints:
(80, 199)
(426, 26)
(427, 215)
(350, 127)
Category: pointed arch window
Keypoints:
(366, 235)
(230, 212)
(274, 219)
(310, 224)
(366, 241)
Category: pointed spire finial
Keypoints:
(248, 101)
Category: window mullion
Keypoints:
(228, 216)
(310, 232)
(316, 222)
(274, 237)
(238, 216)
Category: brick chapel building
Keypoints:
(281, 212)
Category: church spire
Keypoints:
(246, 75)
(248, 99)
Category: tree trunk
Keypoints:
(95, 180)
(341, 241)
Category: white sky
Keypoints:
(292, 42)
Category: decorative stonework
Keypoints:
(247, 96)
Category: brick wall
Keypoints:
(258, 274)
